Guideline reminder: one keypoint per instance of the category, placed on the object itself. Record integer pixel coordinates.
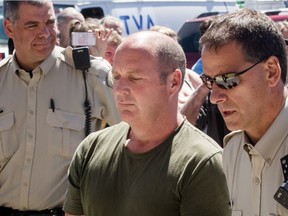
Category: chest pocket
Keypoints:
(66, 131)
(236, 213)
(8, 141)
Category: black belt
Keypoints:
(4, 211)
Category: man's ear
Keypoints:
(175, 80)
(273, 69)
(8, 28)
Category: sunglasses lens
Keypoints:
(208, 82)
(227, 81)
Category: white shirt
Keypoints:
(254, 174)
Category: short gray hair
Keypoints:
(11, 8)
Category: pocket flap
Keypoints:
(65, 120)
(6, 121)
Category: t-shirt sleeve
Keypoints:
(73, 202)
(205, 191)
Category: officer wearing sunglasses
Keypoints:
(226, 81)
(244, 67)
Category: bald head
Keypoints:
(70, 13)
(157, 46)
(64, 18)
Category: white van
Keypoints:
(138, 14)
(143, 14)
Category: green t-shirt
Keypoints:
(181, 176)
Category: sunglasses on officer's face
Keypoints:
(225, 81)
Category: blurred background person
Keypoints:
(111, 22)
(283, 27)
(106, 40)
(63, 20)
(114, 40)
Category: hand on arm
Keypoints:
(192, 107)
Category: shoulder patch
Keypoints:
(109, 79)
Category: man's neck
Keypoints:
(143, 140)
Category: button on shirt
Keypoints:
(254, 173)
(37, 142)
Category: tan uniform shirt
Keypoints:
(254, 174)
(36, 141)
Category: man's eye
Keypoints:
(116, 77)
(31, 26)
(134, 78)
(51, 22)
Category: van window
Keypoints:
(188, 38)
(95, 12)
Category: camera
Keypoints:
(83, 38)
(281, 196)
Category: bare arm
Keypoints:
(102, 36)
(192, 107)
(194, 78)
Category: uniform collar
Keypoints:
(272, 140)
(45, 66)
(269, 144)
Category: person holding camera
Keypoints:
(66, 16)
(154, 162)
(245, 66)
(47, 107)
(102, 42)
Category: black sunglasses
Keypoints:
(225, 81)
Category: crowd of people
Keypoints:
(133, 131)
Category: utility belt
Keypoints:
(4, 211)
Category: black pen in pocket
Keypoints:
(52, 104)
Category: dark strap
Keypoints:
(4, 211)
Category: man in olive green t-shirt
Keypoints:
(155, 162)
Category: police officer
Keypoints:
(47, 108)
